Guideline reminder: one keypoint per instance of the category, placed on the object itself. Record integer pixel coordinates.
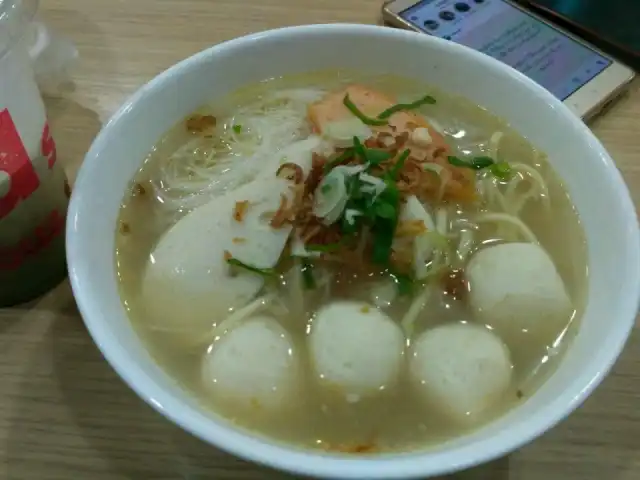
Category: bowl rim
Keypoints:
(411, 465)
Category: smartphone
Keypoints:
(612, 25)
(584, 78)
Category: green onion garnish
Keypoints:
(376, 156)
(399, 164)
(383, 233)
(359, 149)
(479, 163)
(501, 170)
(382, 117)
(458, 162)
(370, 156)
(384, 209)
(343, 157)
(363, 118)
(353, 187)
(326, 188)
(426, 100)
(267, 272)
(476, 163)
(403, 282)
(378, 211)
(307, 275)
(237, 128)
(384, 226)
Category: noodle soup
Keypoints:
(360, 265)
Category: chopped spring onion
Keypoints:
(343, 157)
(376, 156)
(237, 128)
(399, 164)
(482, 162)
(382, 117)
(307, 275)
(370, 156)
(403, 282)
(267, 272)
(386, 205)
(370, 201)
(476, 163)
(426, 100)
(359, 149)
(501, 170)
(383, 228)
(383, 232)
(354, 188)
(363, 118)
(385, 210)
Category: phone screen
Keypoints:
(614, 21)
(503, 31)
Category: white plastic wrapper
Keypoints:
(52, 56)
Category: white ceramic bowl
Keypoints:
(591, 177)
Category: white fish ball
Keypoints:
(460, 368)
(355, 349)
(515, 288)
(253, 365)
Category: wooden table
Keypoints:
(64, 414)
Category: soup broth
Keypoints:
(365, 346)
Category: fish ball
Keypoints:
(355, 348)
(515, 288)
(253, 365)
(460, 368)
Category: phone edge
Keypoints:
(392, 17)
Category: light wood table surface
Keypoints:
(64, 414)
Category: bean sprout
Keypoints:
(417, 304)
(236, 318)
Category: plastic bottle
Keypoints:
(34, 190)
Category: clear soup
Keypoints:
(335, 331)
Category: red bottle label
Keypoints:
(21, 182)
(48, 146)
(17, 167)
